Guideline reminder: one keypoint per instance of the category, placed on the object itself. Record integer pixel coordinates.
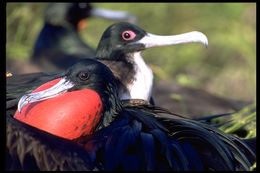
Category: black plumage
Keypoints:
(131, 136)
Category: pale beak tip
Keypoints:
(206, 44)
(203, 38)
(22, 102)
(19, 108)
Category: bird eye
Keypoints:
(128, 35)
(83, 76)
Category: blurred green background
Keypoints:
(226, 68)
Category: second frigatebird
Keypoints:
(83, 105)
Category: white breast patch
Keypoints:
(141, 87)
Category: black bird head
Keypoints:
(71, 14)
(120, 47)
(89, 83)
(123, 38)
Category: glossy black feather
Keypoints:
(148, 147)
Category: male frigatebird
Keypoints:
(59, 44)
(83, 105)
(120, 49)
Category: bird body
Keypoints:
(131, 137)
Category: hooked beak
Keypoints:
(62, 86)
(152, 40)
(114, 15)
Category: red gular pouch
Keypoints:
(69, 115)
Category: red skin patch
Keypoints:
(69, 115)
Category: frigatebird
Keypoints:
(59, 45)
(120, 49)
(104, 133)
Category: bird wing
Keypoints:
(217, 150)
(28, 148)
(136, 141)
(227, 150)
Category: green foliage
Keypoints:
(242, 123)
(227, 67)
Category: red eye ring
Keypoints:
(128, 35)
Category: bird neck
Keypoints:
(141, 85)
(54, 41)
(112, 105)
(133, 73)
(53, 37)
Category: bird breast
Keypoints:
(141, 86)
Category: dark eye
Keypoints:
(128, 35)
(83, 76)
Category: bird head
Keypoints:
(82, 99)
(122, 39)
